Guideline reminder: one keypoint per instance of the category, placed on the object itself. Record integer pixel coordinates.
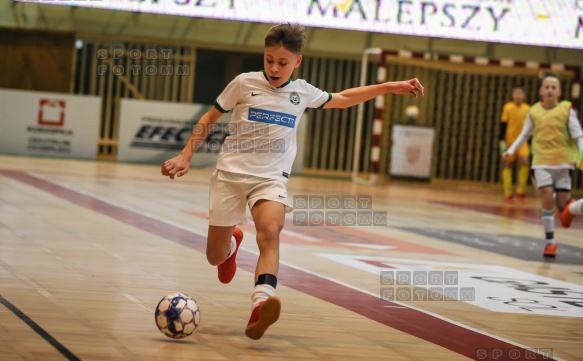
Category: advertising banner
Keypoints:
(554, 23)
(152, 132)
(49, 124)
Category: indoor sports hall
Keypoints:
(401, 244)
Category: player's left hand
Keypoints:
(412, 87)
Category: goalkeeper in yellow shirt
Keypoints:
(557, 146)
(513, 116)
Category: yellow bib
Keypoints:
(551, 141)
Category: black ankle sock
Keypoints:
(266, 279)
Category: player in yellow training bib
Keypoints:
(557, 145)
(513, 116)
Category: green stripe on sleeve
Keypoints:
(329, 98)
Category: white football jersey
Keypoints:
(262, 130)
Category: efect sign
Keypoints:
(153, 131)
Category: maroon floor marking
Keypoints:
(429, 328)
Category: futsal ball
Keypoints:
(177, 315)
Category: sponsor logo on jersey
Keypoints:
(271, 117)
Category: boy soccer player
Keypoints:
(255, 162)
(513, 116)
(555, 130)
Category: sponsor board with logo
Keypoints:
(49, 124)
(411, 151)
(152, 132)
(495, 288)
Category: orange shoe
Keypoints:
(228, 268)
(508, 199)
(567, 217)
(521, 197)
(550, 250)
(264, 315)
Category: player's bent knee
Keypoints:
(215, 258)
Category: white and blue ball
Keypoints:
(177, 315)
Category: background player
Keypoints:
(555, 129)
(266, 108)
(513, 116)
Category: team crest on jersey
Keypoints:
(294, 98)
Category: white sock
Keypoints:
(262, 293)
(548, 218)
(577, 207)
(233, 246)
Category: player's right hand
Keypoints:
(506, 155)
(175, 167)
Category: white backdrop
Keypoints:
(49, 124)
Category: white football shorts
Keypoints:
(230, 193)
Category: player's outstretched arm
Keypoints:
(353, 96)
(179, 165)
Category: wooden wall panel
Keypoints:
(36, 60)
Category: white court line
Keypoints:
(379, 247)
(100, 198)
(300, 236)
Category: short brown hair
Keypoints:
(548, 74)
(290, 36)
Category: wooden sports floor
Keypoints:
(87, 249)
